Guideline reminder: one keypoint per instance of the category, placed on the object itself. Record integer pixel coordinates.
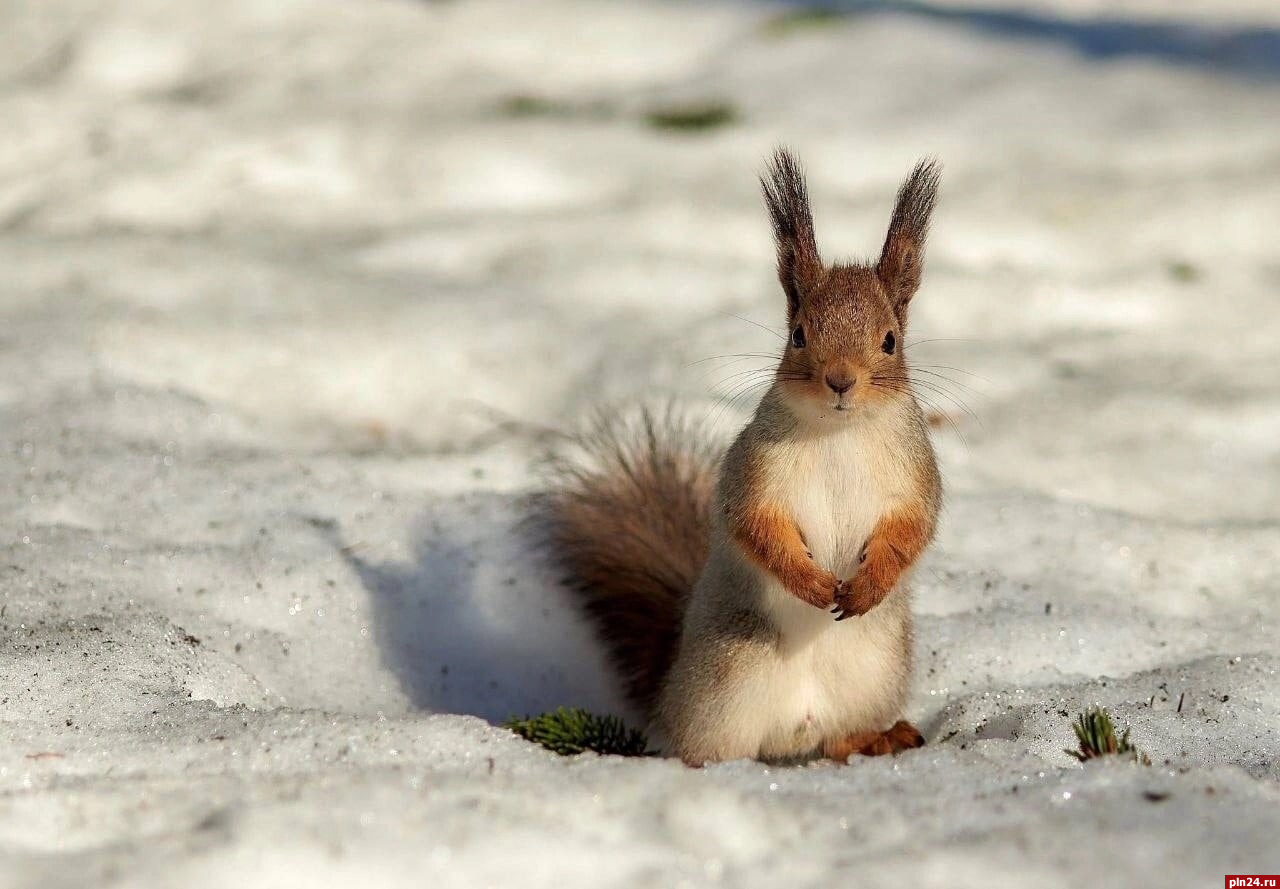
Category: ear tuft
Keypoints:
(902, 259)
(787, 199)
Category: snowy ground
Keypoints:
(290, 290)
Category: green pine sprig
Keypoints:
(572, 730)
(1096, 735)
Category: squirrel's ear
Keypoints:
(902, 258)
(787, 198)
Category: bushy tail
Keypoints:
(628, 517)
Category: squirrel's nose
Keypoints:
(840, 383)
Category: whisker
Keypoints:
(914, 385)
(956, 369)
(758, 324)
(710, 373)
(948, 379)
(739, 390)
(937, 411)
(940, 339)
(753, 370)
(733, 389)
(934, 386)
(726, 402)
(764, 372)
(941, 392)
(738, 355)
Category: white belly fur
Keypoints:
(831, 678)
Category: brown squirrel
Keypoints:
(725, 597)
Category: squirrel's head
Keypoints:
(846, 322)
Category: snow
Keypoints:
(293, 294)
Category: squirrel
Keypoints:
(756, 603)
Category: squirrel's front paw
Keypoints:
(857, 596)
(818, 589)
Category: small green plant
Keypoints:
(528, 105)
(692, 117)
(570, 730)
(524, 105)
(1097, 737)
(1183, 272)
(803, 19)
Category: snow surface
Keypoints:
(293, 291)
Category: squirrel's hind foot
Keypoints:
(901, 736)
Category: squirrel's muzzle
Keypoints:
(840, 382)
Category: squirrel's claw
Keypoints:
(850, 600)
(841, 610)
(844, 608)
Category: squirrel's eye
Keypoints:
(889, 343)
(797, 337)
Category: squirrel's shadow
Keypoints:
(473, 622)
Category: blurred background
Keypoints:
(292, 293)
(401, 224)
